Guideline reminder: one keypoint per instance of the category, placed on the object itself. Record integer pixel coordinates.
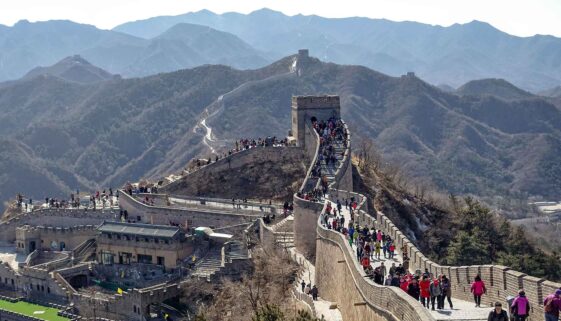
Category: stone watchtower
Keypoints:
(304, 108)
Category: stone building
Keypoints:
(126, 243)
(306, 107)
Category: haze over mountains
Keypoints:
(62, 135)
(452, 55)
(29, 45)
(440, 55)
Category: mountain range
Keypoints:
(63, 135)
(26, 46)
(449, 56)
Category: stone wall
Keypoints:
(306, 212)
(341, 279)
(193, 218)
(266, 235)
(235, 175)
(500, 281)
(13, 316)
(54, 217)
(47, 236)
(306, 107)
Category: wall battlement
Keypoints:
(45, 230)
(312, 102)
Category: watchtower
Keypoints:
(304, 108)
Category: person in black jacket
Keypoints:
(498, 314)
(413, 289)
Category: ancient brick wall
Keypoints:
(341, 279)
(500, 281)
(54, 217)
(165, 215)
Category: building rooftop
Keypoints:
(139, 229)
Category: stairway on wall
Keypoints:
(284, 232)
(210, 264)
(237, 251)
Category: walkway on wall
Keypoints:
(463, 310)
(322, 307)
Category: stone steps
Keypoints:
(285, 239)
(209, 265)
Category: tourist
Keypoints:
(435, 292)
(478, 289)
(400, 269)
(446, 289)
(520, 307)
(498, 314)
(388, 281)
(378, 276)
(392, 269)
(315, 293)
(424, 286)
(552, 305)
(377, 248)
(413, 288)
(365, 262)
(383, 268)
(303, 285)
(395, 280)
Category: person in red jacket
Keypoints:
(478, 289)
(365, 262)
(425, 291)
(404, 283)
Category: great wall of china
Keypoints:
(337, 268)
(338, 274)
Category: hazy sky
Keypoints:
(518, 17)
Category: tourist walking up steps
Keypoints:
(478, 289)
(498, 314)
(552, 305)
(520, 307)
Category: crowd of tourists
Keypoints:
(331, 133)
(247, 143)
(310, 290)
(519, 306)
(103, 199)
(135, 189)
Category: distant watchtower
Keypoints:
(304, 108)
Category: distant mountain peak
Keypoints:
(73, 68)
(493, 87)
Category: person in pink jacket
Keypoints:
(478, 289)
(520, 307)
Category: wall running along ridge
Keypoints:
(336, 269)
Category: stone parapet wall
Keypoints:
(6, 315)
(63, 218)
(306, 214)
(236, 160)
(194, 218)
(500, 281)
(266, 235)
(342, 280)
(71, 236)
